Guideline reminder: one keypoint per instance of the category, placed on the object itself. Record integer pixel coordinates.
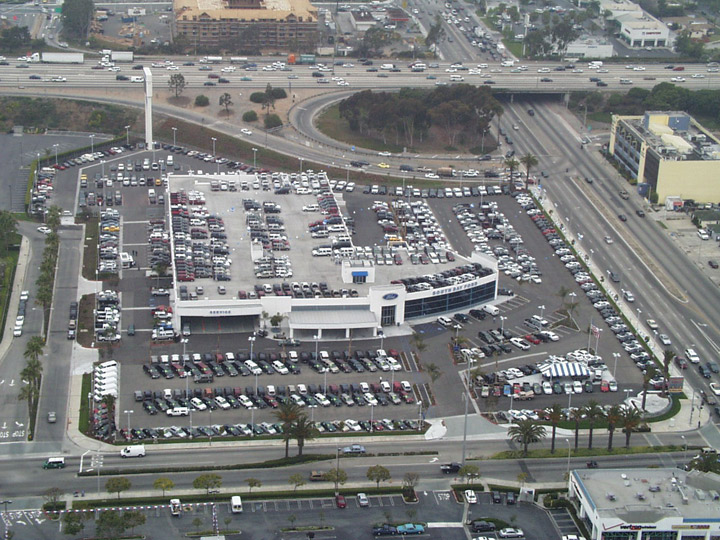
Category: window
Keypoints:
(659, 535)
(619, 535)
(452, 301)
(360, 279)
(387, 317)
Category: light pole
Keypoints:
(301, 163)
(102, 164)
(627, 393)
(128, 412)
(254, 157)
(214, 139)
(573, 295)
(7, 529)
(684, 448)
(466, 394)
(92, 143)
(616, 356)
(174, 136)
(184, 342)
(542, 311)
(502, 326)
(127, 135)
(382, 337)
(372, 417)
(56, 150)
(251, 339)
(337, 470)
(568, 461)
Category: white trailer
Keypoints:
(62, 58)
(122, 56)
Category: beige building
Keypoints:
(272, 24)
(670, 153)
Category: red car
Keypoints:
(605, 386)
(340, 501)
(532, 339)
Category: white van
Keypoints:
(170, 160)
(178, 411)
(387, 66)
(236, 504)
(456, 78)
(137, 450)
(151, 196)
(491, 310)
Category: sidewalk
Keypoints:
(17, 287)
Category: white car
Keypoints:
(280, 367)
(692, 356)
(664, 339)
(577, 387)
(17, 331)
(470, 496)
(552, 336)
(520, 343)
(370, 399)
(246, 402)
(677, 79)
(43, 229)
(698, 76)
(322, 400)
(245, 131)
(547, 388)
(198, 404)
(511, 533)
(172, 68)
(58, 79)
(384, 154)
(222, 403)
(608, 240)
(715, 388)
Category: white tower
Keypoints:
(148, 107)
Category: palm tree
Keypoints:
(32, 372)
(614, 416)
(34, 348)
(287, 413)
(576, 415)
(512, 164)
(526, 432)
(648, 374)
(555, 415)
(630, 419)
(529, 161)
(668, 356)
(593, 412)
(303, 430)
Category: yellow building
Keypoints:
(269, 24)
(668, 152)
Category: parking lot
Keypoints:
(531, 297)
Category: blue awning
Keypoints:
(359, 274)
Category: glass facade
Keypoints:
(387, 316)
(659, 535)
(619, 535)
(452, 301)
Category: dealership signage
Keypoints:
(390, 296)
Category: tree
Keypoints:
(276, 319)
(163, 483)
(526, 432)
(34, 348)
(132, 519)
(8, 229)
(272, 121)
(73, 523)
(226, 101)
(687, 46)
(705, 462)
(176, 83)
(250, 116)
(470, 471)
(303, 430)
(614, 416)
(110, 524)
(418, 342)
(576, 415)
(117, 485)
(287, 413)
(268, 101)
(512, 164)
(52, 495)
(410, 480)
(433, 371)
(554, 416)
(377, 474)
(648, 374)
(668, 356)
(76, 16)
(593, 413)
(202, 101)
(336, 476)
(296, 480)
(253, 483)
(435, 34)
(529, 161)
(52, 218)
(207, 482)
(630, 419)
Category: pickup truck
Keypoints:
(354, 449)
(316, 476)
(449, 468)
(410, 528)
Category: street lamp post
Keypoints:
(56, 152)
(7, 528)
(127, 135)
(251, 339)
(92, 143)
(573, 296)
(254, 157)
(301, 163)
(184, 342)
(616, 356)
(337, 470)
(502, 326)
(214, 139)
(542, 311)
(466, 395)
(174, 136)
(568, 460)
(684, 448)
(128, 412)
(382, 337)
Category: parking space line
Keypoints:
(441, 496)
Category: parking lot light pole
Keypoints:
(568, 461)
(127, 135)
(128, 412)
(337, 470)
(616, 356)
(502, 326)
(573, 296)
(92, 143)
(174, 130)
(382, 337)
(684, 448)
(254, 157)
(466, 395)
(372, 417)
(301, 163)
(56, 150)
(542, 311)
(251, 339)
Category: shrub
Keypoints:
(279, 93)
(272, 121)
(250, 116)
(257, 97)
(202, 101)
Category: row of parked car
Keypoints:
(178, 402)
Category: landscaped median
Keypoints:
(586, 452)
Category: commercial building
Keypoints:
(270, 24)
(637, 27)
(264, 256)
(647, 504)
(590, 48)
(669, 154)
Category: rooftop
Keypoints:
(649, 495)
(251, 265)
(252, 11)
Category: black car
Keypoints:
(622, 217)
(480, 525)
(461, 317)
(385, 530)
(531, 112)
(496, 497)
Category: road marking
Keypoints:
(445, 525)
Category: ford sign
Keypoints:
(390, 296)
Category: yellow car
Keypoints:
(158, 181)
(111, 228)
(383, 165)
